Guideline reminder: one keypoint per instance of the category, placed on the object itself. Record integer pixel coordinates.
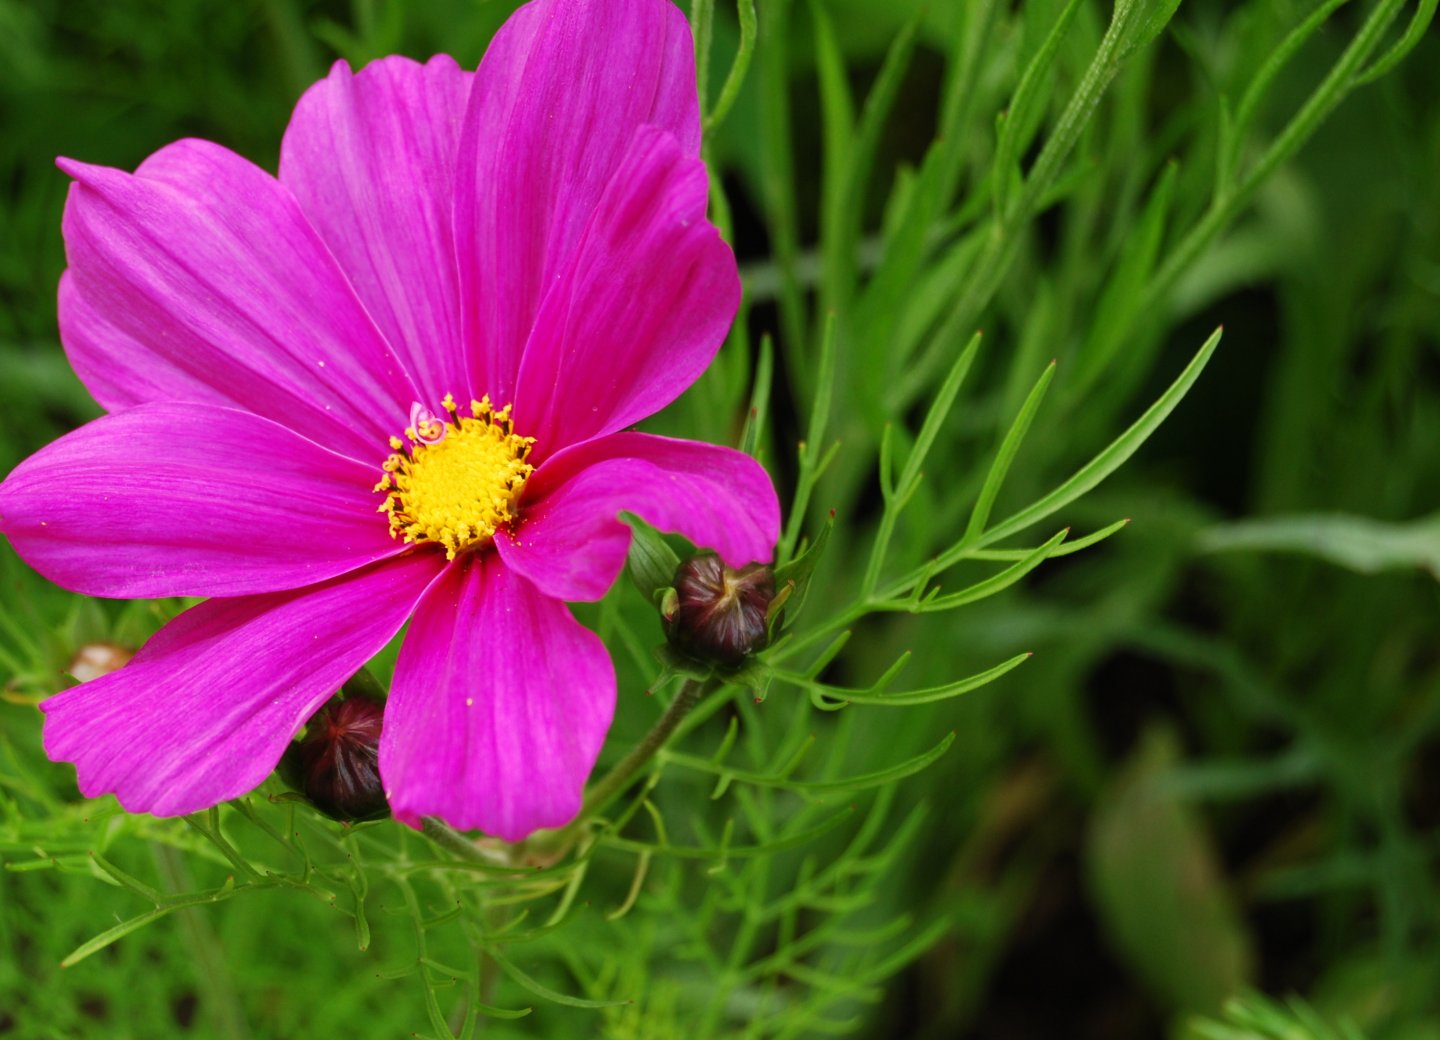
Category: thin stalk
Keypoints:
(1004, 239)
(604, 790)
(1343, 78)
(220, 999)
(451, 840)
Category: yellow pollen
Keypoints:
(457, 483)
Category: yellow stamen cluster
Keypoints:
(459, 489)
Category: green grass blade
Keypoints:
(1355, 542)
(735, 79)
(529, 983)
(1414, 33)
(1065, 548)
(752, 436)
(1113, 457)
(938, 412)
(811, 459)
(911, 697)
(790, 841)
(899, 771)
(990, 586)
(852, 172)
(1018, 114)
(985, 501)
(898, 495)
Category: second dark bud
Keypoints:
(337, 763)
(717, 614)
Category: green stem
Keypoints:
(220, 998)
(604, 790)
(600, 794)
(1340, 81)
(1004, 239)
(451, 840)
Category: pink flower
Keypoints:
(515, 260)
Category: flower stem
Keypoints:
(601, 793)
(604, 790)
(452, 840)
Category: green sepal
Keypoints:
(775, 613)
(651, 563)
(792, 579)
(675, 664)
(753, 672)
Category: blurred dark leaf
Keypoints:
(1356, 542)
(1159, 889)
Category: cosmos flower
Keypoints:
(392, 383)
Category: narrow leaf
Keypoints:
(990, 586)
(908, 697)
(545, 992)
(985, 501)
(1354, 542)
(1113, 457)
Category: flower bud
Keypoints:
(336, 764)
(718, 614)
(96, 659)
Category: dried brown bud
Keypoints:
(336, 765)
(718, 614)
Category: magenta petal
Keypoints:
(117, 369)
(499, 706)
(371, 158)
(639, 312)
(176, 500)
(555, 105)
(570, 543)
(208, 262)
(205, 710)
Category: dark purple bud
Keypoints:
(336, 764)
(718, 614)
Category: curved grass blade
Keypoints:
(925, 696)
(732, 851)
(1414, 33)
(985, 501)
(980, 590)
(1063, 549)
(545, 992)
(735, 79)
(1113, 457)
(899, 771)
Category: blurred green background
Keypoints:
(1221, 770)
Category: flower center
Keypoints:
(454, 479)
